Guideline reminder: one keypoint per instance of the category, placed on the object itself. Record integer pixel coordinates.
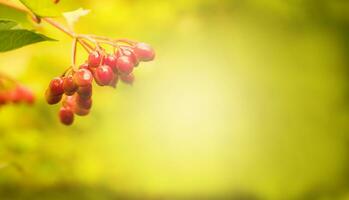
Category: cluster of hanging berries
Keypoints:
(74, 87)
(13, 92)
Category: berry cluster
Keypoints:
(17, 94)
(74, 87)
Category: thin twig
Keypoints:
(73, 56)
(48, 20)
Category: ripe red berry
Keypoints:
(56, 86)
(94, 59)
(26, 94)
(81, 111)
(3, 98)
(124, 65)
(69, 85)
(69, 102)
(52, 99)
(114, 81)
(83, 103)
(110, 60)
(144, 52)
(85, 92)
(66, 116)
(103, 75)
(129, 52)
(84, 66)
(83, 77)
(128, 79)
(15, 96)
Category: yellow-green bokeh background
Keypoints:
(245, 98)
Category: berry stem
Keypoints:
(73, 57)
(90, 39)
(104, 38)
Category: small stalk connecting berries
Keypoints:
(74, 87)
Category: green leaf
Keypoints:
(13, 38)
(7, 24)
(42, 8)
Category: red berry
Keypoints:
(69, 102)
(81, 111)
(144, 52)
(83, 103)
(124, 65)
(26, 93)
(94, 59)
(56, 86)
(3, 98)
(114, 81)
(84, 66)
(15, 96)
(83, 77)
(110, 60)
(66, 116)
(128, 79)
(69, 85)
(103, 75)
(129, 52)
(52, 99)
(85, 92)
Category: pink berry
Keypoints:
(83, 77)
(124, 65)
(144, 52)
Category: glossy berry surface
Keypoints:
(52, 99)
(104, 75)
(144, 52)
(110, 60)
(94, 59)
(129, 52)
(124, 65)
(69, 85)
(56, 86)
(83, 77)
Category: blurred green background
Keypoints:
(246, 100)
